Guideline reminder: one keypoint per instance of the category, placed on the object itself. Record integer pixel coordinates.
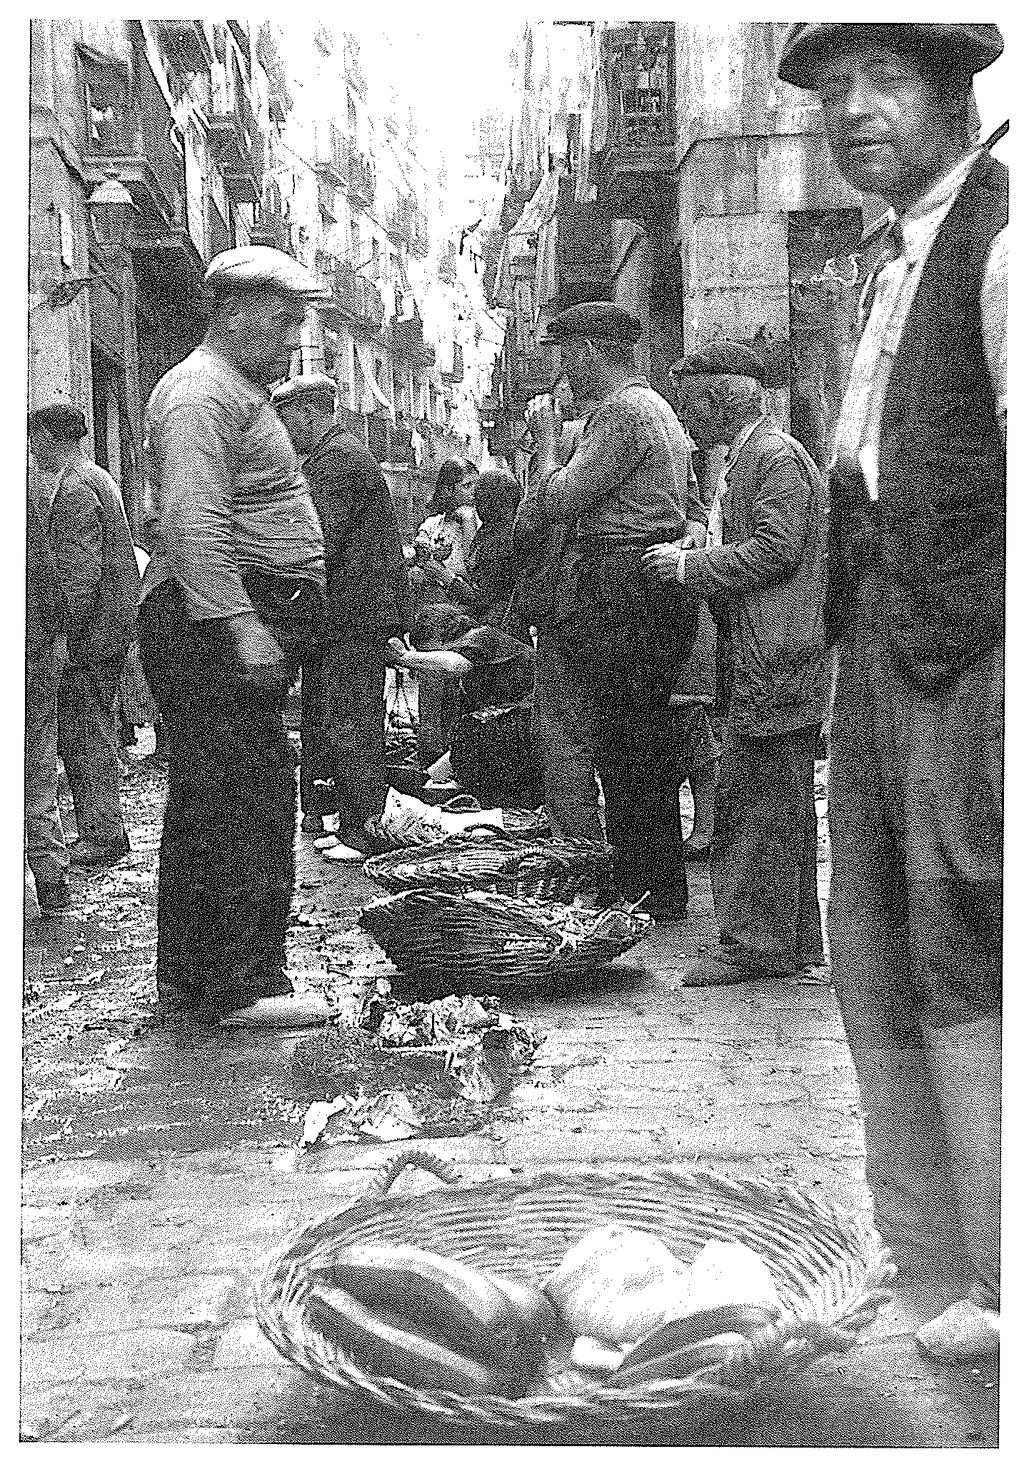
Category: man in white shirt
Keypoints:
(917, 585)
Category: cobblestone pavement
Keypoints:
(159, 1170)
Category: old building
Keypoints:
(177, 113)
(663, 166)
(222, 133)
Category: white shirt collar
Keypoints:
(739, 441)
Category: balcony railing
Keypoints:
(128, 128)
(272, 231)
(639, 63)
(640, 70)
(360, 178)
(353, 295)
(187, 43)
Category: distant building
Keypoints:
(665, 167)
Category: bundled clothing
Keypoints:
(234, 530)
(915, 794)
(492, 566)
(98, 579)
(367, 603)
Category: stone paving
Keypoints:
(137, 1311)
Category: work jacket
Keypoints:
(97, 573)
(767, 584)
(367, 579)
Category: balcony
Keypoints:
(447, 263)
(531, 375)
(360, 178)
(639, 63)
(406, 339)
(128, 128)
(582, 250)
(457, 373)
(271, 231)
(406, 224)
(228, 140)
(186, 43)
(352, 296)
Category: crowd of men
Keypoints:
(275, 548)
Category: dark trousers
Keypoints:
(352, 689)
(226, 856)
(764, 854)
(87, 741)
(915, 928)
(633, 636)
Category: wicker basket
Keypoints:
(492, 860)
(830, 1271)
(483, 941)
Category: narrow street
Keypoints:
(160, 1168)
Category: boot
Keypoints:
(966, 1068)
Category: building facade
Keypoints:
(663, 166)
(177, 112)
(227, 133)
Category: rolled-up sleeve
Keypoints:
(194, 448)
(610, 450)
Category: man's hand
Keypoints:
(696, 535)
(540, 417)
(395, 651)
(663, 560)
(439, 572)
(261, 662)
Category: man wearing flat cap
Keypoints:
(233, 600)
(763, 569)
(629, 483)
(367, 603)
(916, 598)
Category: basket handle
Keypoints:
(392, 1169)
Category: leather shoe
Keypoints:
(287, 1010)
(85, 852)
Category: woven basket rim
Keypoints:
(778, 1353)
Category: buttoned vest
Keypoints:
(942, 465)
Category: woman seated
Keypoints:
(475, 683)
(444, 538)
(485, 588)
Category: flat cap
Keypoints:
(964, 48)
(722, 357)
(258, 267)
(598, 320)
(301, 387)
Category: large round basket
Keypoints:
(520, 825)
(830, 1271)
(483, 941)
(556, 870)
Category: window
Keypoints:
(356, 259)
(375, 257)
